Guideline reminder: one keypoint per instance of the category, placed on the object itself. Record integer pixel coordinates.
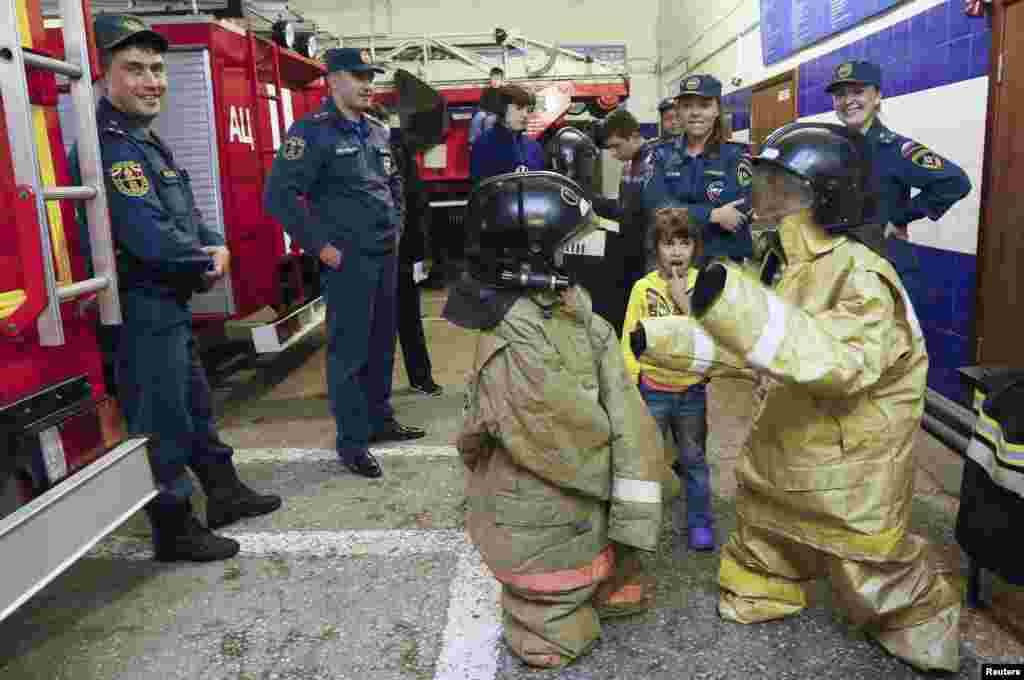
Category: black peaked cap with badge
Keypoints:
(114, 29)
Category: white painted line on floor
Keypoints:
(284, 455)
(469, 647)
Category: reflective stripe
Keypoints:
(636, 490)
(736, 578)
(703, 350)
(915, 325)
(983, 456)
(1011, 454)
(566, 579)
(771, 337)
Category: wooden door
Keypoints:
(1000, 291)
(772, 105)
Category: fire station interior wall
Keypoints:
(935, 64)
(578, 22)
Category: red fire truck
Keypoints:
(68, 475)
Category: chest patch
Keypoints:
(744, 173)
(293, 148)
(715, 189)
(927, 159)
(658, 306)
(129, 178)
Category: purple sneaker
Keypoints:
(702, 538)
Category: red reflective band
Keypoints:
(566, 579)
(631, 593)
(77, 441)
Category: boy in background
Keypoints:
(676, 398)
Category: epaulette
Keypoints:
(375, 120)
(113, 128)
(887, 137)
(321, 115)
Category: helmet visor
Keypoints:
(778, 192)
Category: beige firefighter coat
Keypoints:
(563, 456)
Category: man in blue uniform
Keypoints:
(164, 254)
(337, 190)
(900, 163)
(703, 172)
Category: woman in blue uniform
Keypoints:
(703, 172)
(899, 163)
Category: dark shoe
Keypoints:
(228, 499)
(702, 538)
(395, 431)
(178, 535)
(362, 463)
(429, 388)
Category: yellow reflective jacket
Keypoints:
(843, 366)
(563, 456)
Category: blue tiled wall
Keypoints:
(943, 296)
(936, 47)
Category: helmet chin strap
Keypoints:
(536, 281)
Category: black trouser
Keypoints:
(410, 330)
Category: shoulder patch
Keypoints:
(887, 137)
(909, 148)
(744, 172)
(129, 178)
(293, 148)
(927, 159)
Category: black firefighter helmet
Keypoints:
(833, 161)
(573, 154)
(518, 224)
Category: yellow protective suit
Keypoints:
(565, 475)
(825, 480)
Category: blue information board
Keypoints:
(788, 26)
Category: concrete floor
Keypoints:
(374, 579)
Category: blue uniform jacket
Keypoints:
(701, 184)
(499, 150)
(335, 181)
(901, 163)
(158, 231)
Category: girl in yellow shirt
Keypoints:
(676, 399)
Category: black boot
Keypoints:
(178, 535)
(227, 499)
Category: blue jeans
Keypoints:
(685, 413)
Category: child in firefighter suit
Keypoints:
(677, 399)
(565, 464)
(825, 481)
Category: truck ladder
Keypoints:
(18, 110)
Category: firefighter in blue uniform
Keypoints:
(899, 163)
(703, 172)
(165, 253)
(337, 190)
